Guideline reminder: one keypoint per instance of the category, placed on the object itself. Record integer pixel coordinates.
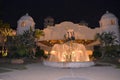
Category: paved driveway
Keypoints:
(37, 71)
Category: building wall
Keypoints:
(58, 31)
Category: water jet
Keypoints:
(68, 55)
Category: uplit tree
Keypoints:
(5, 30)
(38, 33)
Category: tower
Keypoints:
(25, 23)
(49, 21)
(109, 23)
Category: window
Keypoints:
(112, 22)
(23, 24)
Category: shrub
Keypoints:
(40, 53)
(97, 54)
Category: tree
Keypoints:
(38, 33)
(106, 40)
(5, 31)
(24, 43)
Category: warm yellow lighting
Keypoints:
(53, 52)
(46, 52)
(14, 32)
(73, 52)
(80, 51)
(4, 53)
(89, 52)
(23, 24)
(62, 60)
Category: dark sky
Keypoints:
(61, 10)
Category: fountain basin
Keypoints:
(68, 55)
(68, 64)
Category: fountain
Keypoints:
(70, 54)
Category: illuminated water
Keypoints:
(72, 55)
(69, 52)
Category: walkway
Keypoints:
(37, 71)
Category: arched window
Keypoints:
(23, 24)
(112, 22)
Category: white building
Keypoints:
(108, 23)
(58, 31)
(25, 23)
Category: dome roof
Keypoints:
(49, 18)
(26, 17)
(108, 15)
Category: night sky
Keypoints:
(61, 10)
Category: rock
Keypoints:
(17, 61)
(119, 60)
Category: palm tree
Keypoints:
(5, 31)
(38, 33)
